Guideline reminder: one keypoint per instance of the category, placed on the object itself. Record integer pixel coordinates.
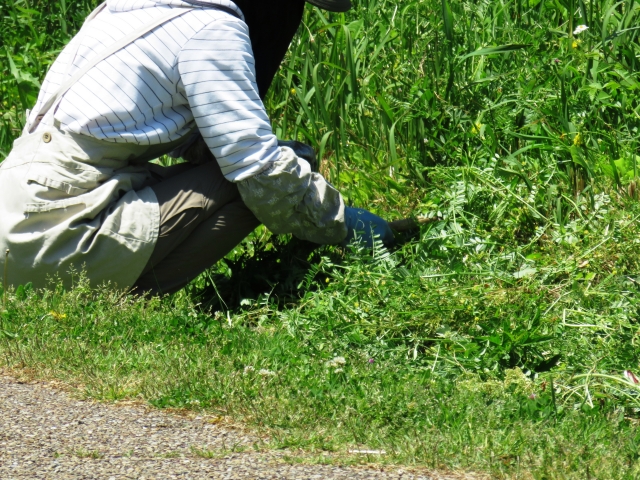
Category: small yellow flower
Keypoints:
(475, 129)
(576, 43)
(577, 140)
(58, 316)
(293, 91)
(327, 280)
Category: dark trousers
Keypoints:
(202, 218)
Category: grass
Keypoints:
(502, 337)
(92, 454)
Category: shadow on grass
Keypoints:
(279, 271)
(276, 271)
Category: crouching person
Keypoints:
(140, 80)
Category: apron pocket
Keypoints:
(42, 207)
(58, 185)
(72, 181)
(54, 187)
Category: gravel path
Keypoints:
(45, 433)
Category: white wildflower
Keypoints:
(248, 369)
(266, 373)
(579, 29)
(336, 362)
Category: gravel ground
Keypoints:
(45, 433)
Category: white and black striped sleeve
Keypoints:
(217, 73)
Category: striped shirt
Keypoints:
(195, 71)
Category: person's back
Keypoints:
(147, 92)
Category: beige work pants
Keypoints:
(202, 218)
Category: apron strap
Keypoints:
(77, 40)
(119, 45)
(95, 13)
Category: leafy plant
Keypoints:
(502, 336)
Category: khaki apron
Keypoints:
(70, 202)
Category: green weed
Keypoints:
(92, 454)
(501, 337)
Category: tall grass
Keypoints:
(33, 33)
(391, 90)
(398, 88)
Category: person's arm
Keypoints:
(218, 79)
(289, 198)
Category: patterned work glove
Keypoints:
(366, 226)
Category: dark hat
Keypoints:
(332, 5)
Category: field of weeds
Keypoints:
(502, 337)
